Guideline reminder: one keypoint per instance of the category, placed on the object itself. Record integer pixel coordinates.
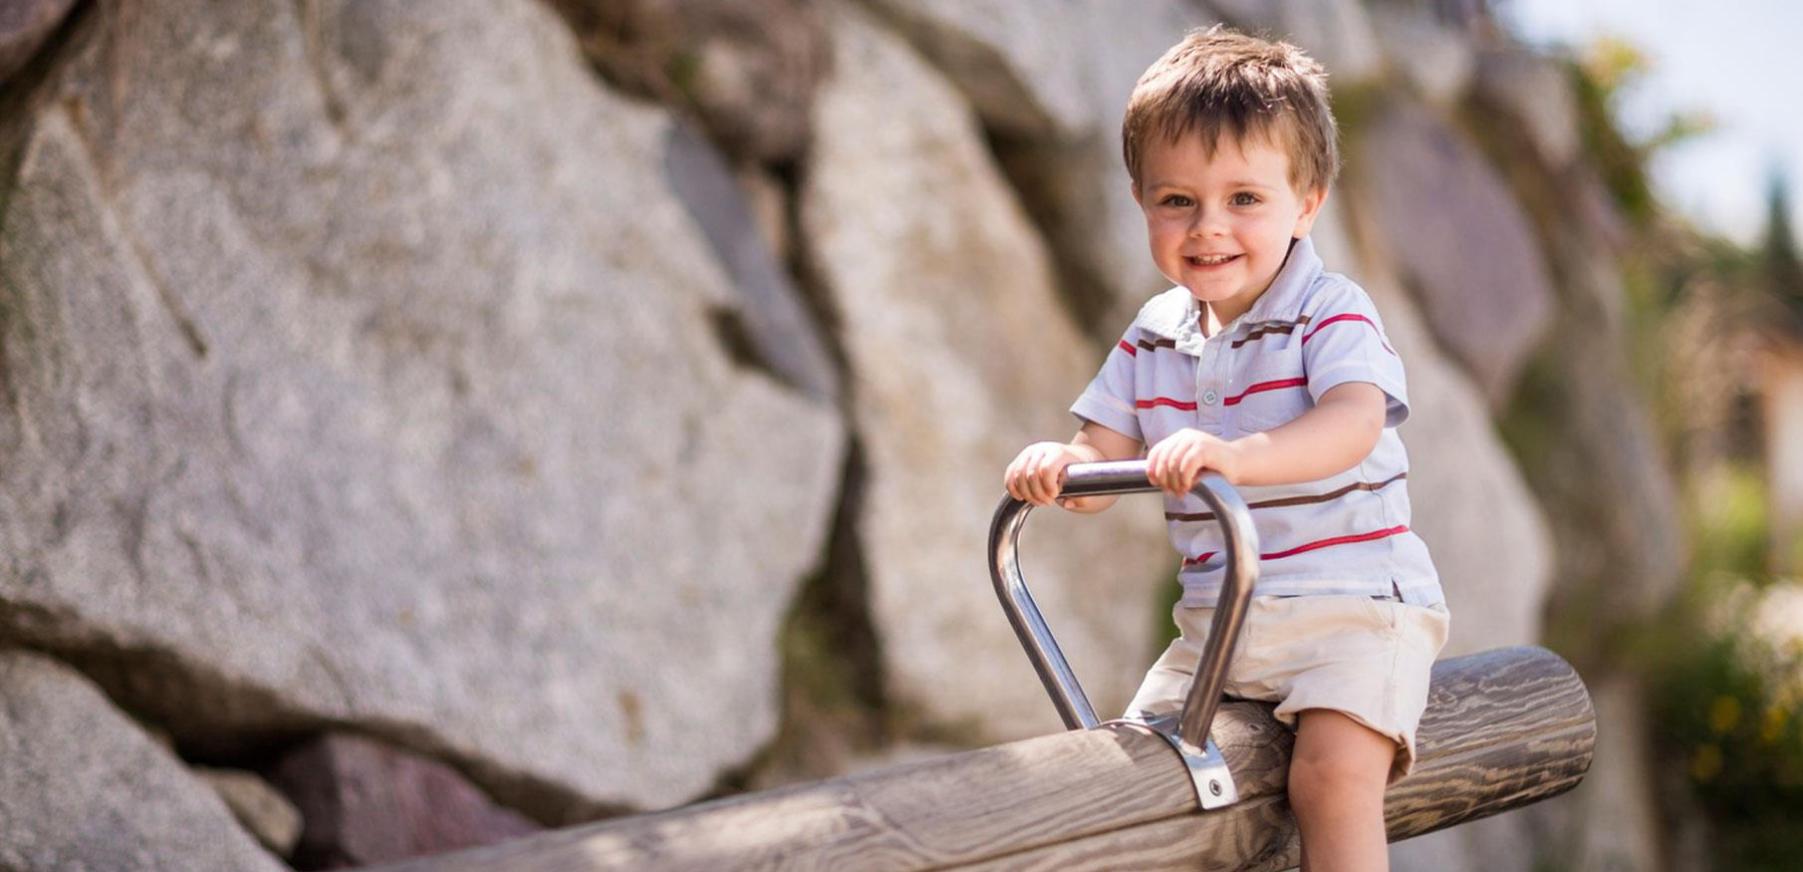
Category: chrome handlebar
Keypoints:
(1124, 477)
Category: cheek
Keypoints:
(1265, 233)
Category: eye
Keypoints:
(1177, 201)
(1244, 198)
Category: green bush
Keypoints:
(1729, 709)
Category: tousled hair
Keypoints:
(1221, 83)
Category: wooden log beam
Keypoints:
(1503, 728)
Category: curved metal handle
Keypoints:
(1123, 477)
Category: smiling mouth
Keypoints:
(1208, 260)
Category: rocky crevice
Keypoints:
(1041, 172)
(833, 701)
(834, 705)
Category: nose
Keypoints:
(1207, 222)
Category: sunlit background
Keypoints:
(1727, 70)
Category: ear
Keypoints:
(1134, 186)
(1311, 209)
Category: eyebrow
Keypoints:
(1236, 183)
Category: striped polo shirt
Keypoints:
(1311, 330)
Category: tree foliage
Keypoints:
(1781, 271)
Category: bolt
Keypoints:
(1214, 787)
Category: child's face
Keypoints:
(1221, 226)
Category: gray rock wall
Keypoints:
(333, 386)
(481, 379)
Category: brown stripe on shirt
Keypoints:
(1271, 327)
(1157, 343)
(1293, 501)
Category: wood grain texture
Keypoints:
(1503, 728)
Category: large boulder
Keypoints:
(1050, 82)
(362, 369)
(960, 355)
(1463, 243)
(83, 787)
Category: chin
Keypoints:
(1213, 295)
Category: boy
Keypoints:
(1276, 375)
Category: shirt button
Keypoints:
(1209, 397)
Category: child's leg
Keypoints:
(1338, 772)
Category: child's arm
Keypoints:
(1037, 473)
(1330, 438)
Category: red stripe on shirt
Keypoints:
(1348, 317)
(1338, 540)
(1129, 348)
(1164, 401)
(1311, 546)
(1266, 386)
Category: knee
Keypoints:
(1321, 779)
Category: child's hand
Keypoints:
(1037, 474)
(1174, 464)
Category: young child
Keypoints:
(1276, 375)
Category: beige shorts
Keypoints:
(1367, 658)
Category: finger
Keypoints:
(1023, 486)
(1018, 473)
(1027, 483)
(1156, 462)
(1030, 476)
(1181, 464)
(1192, 467)
(1034, 484)
(1184, 469)
(1050, 483)
(1155, 465)
(1186, 480)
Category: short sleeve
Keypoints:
(1344, 342)
(1109, 398)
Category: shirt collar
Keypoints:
(1282, 301)
(1172, 314)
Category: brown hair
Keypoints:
(1219, 82)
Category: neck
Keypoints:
(1214, 316)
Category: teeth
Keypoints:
(1214, 259)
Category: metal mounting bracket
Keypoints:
(1207, 768)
